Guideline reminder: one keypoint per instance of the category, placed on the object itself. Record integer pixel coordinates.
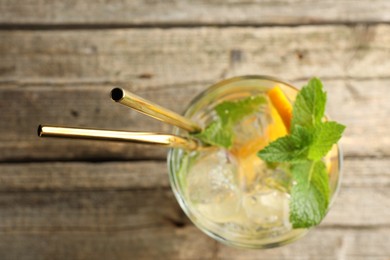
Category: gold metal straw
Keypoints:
(124, 136)
(149, 108)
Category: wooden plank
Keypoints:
(144, 243)
(110, 196)
(92, 211)
(364, 112)
(360, 206)
(111, 210)
(323, 245)
(150, 57)
(189, 243)
(105, 210)
(138, 175)
(175, 12)
(73, 176)
(366, 172)
(80, 106)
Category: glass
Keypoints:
(235, 214)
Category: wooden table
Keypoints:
(62, 199)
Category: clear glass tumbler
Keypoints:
(231, 217)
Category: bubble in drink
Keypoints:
(212, 186)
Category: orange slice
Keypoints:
(277, 128)
(249, 148)
(282, 105)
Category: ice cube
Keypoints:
(250, 134)
(267, 207)
(212, 186)
(278, 178)
(251, 128)
(252, 171)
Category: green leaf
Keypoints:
(310, 195)
(290, 148)
(216, 134)
(281, 150)
(309, 105)
(220, 132)
(302, 136)
(325, 136)
(230, 112)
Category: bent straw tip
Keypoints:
(117, 94)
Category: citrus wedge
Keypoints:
(282, 105)
(277, 128)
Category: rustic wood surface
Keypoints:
(63, 199)
(185, 12)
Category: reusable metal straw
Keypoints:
(153, 110)
(123, 136)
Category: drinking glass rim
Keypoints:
(223, 82)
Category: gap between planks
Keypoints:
(113, 26)
(48, 83)
(149, 159)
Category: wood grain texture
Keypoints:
(92, 211)
(171, 57)
(64, 77)
(67, 199)
(175, 12)
(188, 243)
(83, 176)
(364, 112)
(121, 210)
(142, 243)
(111, 196)
(320, 244)
(146, 175)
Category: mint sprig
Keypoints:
(289, 148)
(310, 195)
(310, 140)
(228, 113)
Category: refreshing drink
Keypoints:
(226, 189)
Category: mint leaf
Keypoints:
(290, 148)
(220, 132)
(325, 136)
(230, 112)
(281, 150)
(216, 134)
(309, 106)
(310, 195)
(302, 136)
(284, 149)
